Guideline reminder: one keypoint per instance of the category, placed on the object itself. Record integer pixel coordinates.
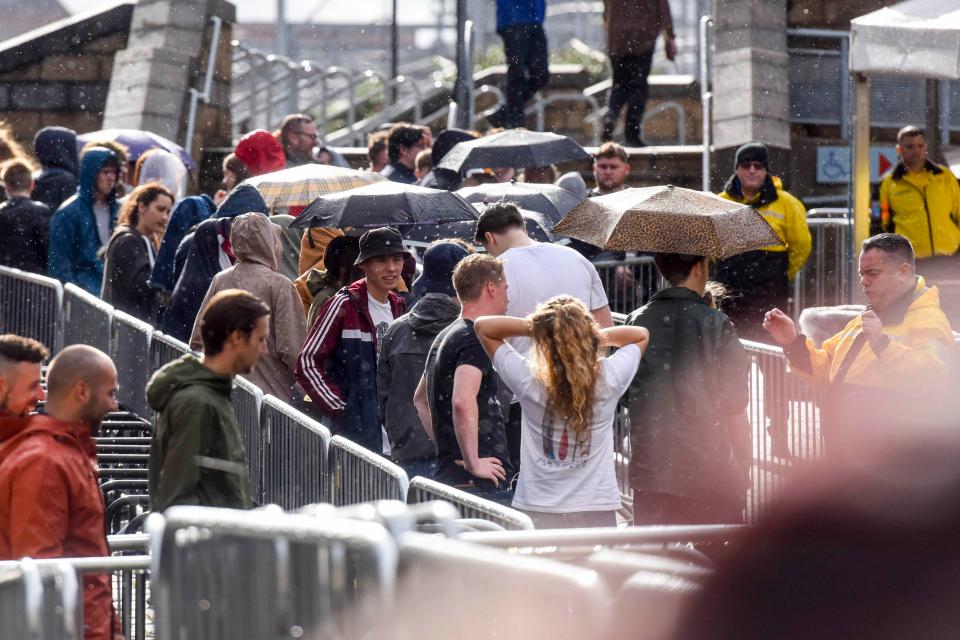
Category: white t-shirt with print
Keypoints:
(381, 314)
(541, 271)
(558, 472)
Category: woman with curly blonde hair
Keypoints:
(568, 394)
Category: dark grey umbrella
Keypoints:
(385, 204)
(547, 199)
(513, 148)
(538, 228)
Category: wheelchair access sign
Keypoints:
(833, 163)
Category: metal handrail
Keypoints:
(540, 104)
(706, 100)
(197, 96)
(670, 105)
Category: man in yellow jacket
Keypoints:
(921, 201)
(759, 280)
(888, 371)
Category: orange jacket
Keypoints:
(51, 505)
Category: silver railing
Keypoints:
(86, 319)
(40, 600)
(246, 398)
(359, 475)
(130, 351)
(31, 306)
(295, 456)
(470, 506)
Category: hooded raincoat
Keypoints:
(51, 506)
(255, 241)
(75, 249)
(403, 355)
(197, 455)
(56, 149)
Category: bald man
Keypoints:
(50, 502)
(20, 388)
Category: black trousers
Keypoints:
(528, 71)
(630, 88)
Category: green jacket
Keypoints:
(692, 379)
(197, 455)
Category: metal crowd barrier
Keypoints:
(295, 450)
(30, 306)
(130, 351)
(784, 416)
(359, 475)
(224, 573)
(629, 283)
(826, 277)
(39, 601)
(86, 319)
(450, 589)
(164, 349)
(470, 506)
(246, 398)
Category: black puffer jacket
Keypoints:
(403, 354)
(56, 149)
(693, 378)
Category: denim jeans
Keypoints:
(426, 467)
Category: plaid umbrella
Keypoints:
(668, 220)
(385, 204)
(299, 186)
(513, 148)
(137, 143)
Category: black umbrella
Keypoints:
(547, 199)
(538, 228)
(513, 148)
(385, 204)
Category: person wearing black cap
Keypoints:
(337, 366)
(404, 348)
(760, 280)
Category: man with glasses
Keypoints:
(298, 135)
(404, 142)
(760, 280)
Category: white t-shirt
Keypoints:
(381, 314)
(101, 212)
(541, 271)
(558, 474)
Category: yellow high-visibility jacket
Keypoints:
(919, 354)
(924, 207)
(785, 214)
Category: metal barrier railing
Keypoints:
(165, 349)
(30, 306)
(40, 600)
(130, 350)
(246, 398)
(827, 277)
(359, 475)
(629, 283)
(86, 319)
(470, 506)
(295, 450)
(225, 573)
(523, 597)
(719, 534)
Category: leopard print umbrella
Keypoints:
(668, 220)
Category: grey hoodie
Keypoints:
(403, 354)
(256, 244)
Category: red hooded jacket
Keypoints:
(51, 505)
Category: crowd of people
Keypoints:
(492, 365)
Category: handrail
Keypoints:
(706, 100)
(196, 96)
(540, 104)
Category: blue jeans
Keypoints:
(426, 467)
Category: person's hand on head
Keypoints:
(780, 326)
(488, 469)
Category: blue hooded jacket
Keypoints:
(188, 213)
(56, 149)
(74, 251)
(511, 12)
(202, 263)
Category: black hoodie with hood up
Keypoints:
(56, 149)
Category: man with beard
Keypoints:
(50, 502)
(20, 388)
(197, 455)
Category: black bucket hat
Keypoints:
(385, 241)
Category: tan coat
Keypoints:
(256, 244)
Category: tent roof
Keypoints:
(916, 37)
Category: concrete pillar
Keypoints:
(751, 98)
(164, 58)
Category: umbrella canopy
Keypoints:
(538, 228)
(513, 148)
(547, 199)
(299, 186)
(137, 143)
(385, 204)
(668, 220)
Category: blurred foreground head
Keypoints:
(864, 550)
